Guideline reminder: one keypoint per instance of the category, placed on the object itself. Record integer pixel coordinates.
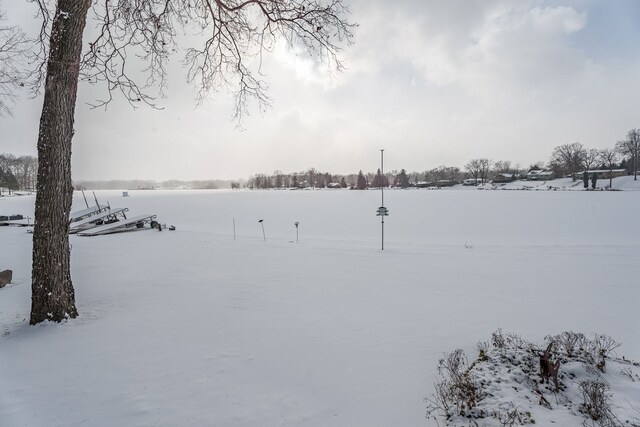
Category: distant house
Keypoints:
(540, 175)
(502, 178)
(606, 173)
(333, 185)
(472, 181)
(423, 184)
(446, 183)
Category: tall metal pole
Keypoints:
(382, 190)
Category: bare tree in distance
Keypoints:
(14, 48)
(8, 181)
(629, 148)
(473, 168)
(453, 173)
(609, 158)
(485, 168)
(232, 31)
(568, 158)
(590, 158)
(7, 161)
(23, 168)
(502, 166)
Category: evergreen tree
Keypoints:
(378, 180)
(361, 182)
(402, 180)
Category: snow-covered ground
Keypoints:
(193, 328)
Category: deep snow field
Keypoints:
(193, 328)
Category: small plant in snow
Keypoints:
(456, 393)
(596, 403)
(509, 416)
(516, 341)
(483, 350)
(570, 342)
(602, 347)
(497, 339)
(628, 372)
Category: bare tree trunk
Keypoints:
(53, 296)
(611, 178)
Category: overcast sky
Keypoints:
(434, 82)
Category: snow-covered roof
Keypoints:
(605, 170)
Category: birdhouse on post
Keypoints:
(382, 211)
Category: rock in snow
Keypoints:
(5, 277)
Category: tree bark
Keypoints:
(53, 297)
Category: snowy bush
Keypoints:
(571, 342)
(505, 385)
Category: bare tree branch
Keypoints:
(589, 158)
(14, 47)
(228, 36)
(39, 54)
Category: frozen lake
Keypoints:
(193, 328)
(417, 218)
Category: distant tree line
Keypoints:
(313, 178)
(567, 160)
(18, 172)
(145, 184)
